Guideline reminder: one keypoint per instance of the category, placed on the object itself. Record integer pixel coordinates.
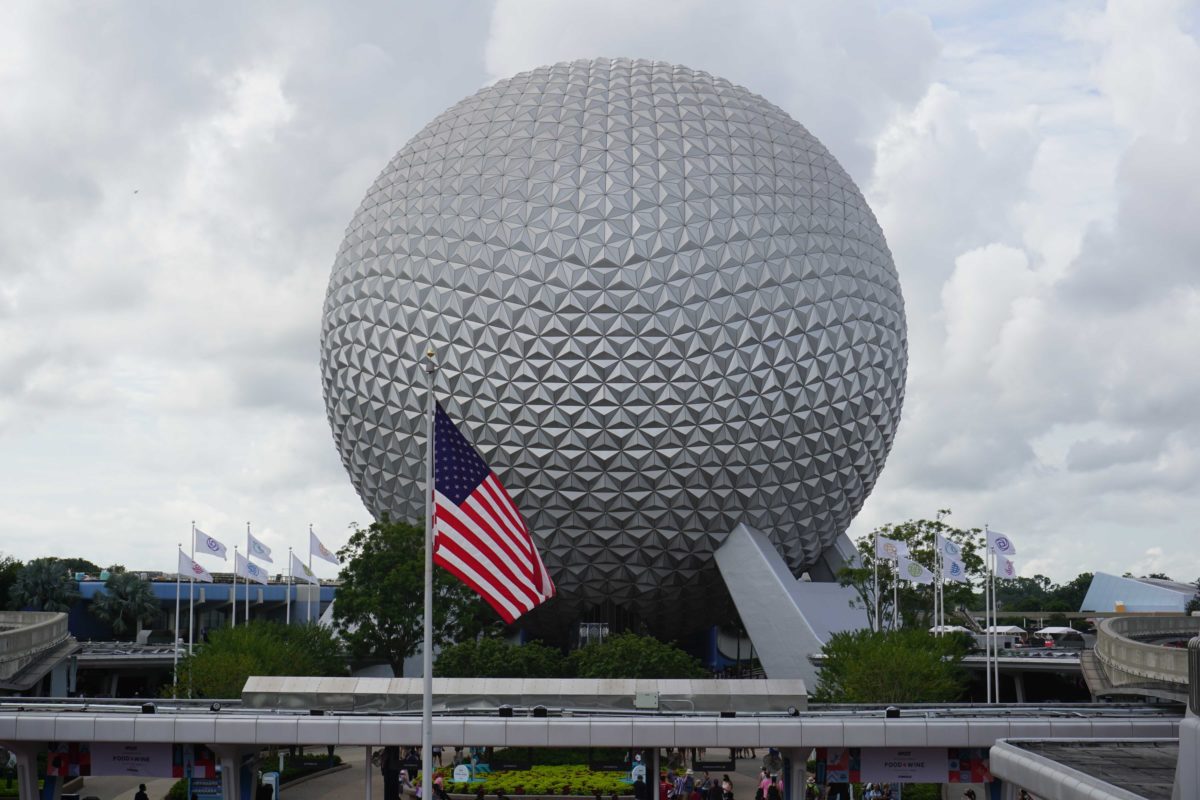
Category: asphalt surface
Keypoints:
(351, 784)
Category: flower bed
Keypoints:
(572, 779)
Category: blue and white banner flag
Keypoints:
(256, 549)
(947, 548)
(208, 545)
(954, 570)
(245, 568)
(1000, 544)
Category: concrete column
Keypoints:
(1019, 686)
(368, 774)
(27, 776)
(237, 771)
(797, 775)
(654, 767)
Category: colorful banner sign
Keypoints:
(144, 759)
(969, 765)
(68, 759)
(905, 765)
(837, 765)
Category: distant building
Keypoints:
(1136, 595)
(213, 606)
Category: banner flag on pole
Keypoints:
(256, 549)
(208, 545)
(300, 570)
(912, 571)
(1005, 568)
(315, 548)
(190, 569)
(245, 568)
(954, 570)
(891, 549)
(947, 548)
(1000, 544)
(479, 535)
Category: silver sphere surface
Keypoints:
(660, 307)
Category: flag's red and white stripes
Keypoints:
(484, 542)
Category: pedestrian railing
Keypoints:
(26, 634)
(1130, 650)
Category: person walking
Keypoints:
(141, 793)
(389, 765)
(640, 790)
(726, 788)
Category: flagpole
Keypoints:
(233, 618)
(987, 614)
(192, 593)
(178, 576)
(995, 624)
(896, 595)
(427, 641)
(875, 561)
(289, 588)
(246, 612)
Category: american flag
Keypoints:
(479, 535)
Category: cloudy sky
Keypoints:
(175, 180)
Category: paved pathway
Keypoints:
(122, 787)
(349, 784)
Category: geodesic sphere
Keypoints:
(660, 307)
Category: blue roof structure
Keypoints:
(1136, 594)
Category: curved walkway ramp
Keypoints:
(33, 644)
(1132, 657)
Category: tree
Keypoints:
(10, 568)
(905, 666)
(916, 601)
(44, 584)
(220, 667)
(380, 604)
(125, 602)
(76, 564)
(489, 657)
(628, 655)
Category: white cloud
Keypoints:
(177, 182)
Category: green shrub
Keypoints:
(570, 779)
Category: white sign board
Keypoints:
(144, 759)
(911, 765)
(462, 773)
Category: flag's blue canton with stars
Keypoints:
(479, 535)
(458, 469)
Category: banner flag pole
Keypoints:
(875, 561)
(310, 586)
(289, 588)
(178, 576)
(246, 582)
(233, 598)
(427, 641)
(192, 593)
(987, 616)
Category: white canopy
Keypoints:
(1055, 630)
(949, 629)
(1005, 629)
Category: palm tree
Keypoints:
(44, 584)
(125, 602)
